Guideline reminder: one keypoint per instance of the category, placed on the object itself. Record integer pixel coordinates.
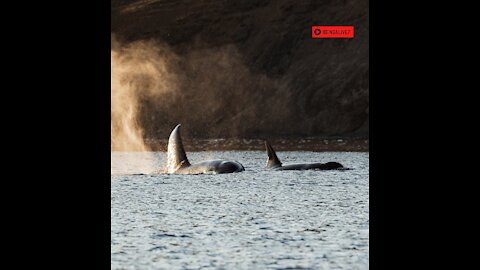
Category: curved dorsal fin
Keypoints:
(272, 161)
(176, 156)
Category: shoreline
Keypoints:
(307, 144)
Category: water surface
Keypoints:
(257, 219)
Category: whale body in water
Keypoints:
(177, 161)
(274, 163)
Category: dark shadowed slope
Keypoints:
(251, 69)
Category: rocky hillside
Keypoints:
(250, 68)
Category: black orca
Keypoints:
(177, 161)
(274, 163)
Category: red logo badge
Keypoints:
(332, 31)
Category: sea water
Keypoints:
(256, 219)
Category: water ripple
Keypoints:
(257, 219)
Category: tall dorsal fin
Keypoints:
(272, 161)
(176, 156)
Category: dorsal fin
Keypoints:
(176, 156)
(272, 161)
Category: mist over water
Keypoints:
(208, 90)
(138, 70)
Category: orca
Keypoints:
(177, 161)
(274, 163)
